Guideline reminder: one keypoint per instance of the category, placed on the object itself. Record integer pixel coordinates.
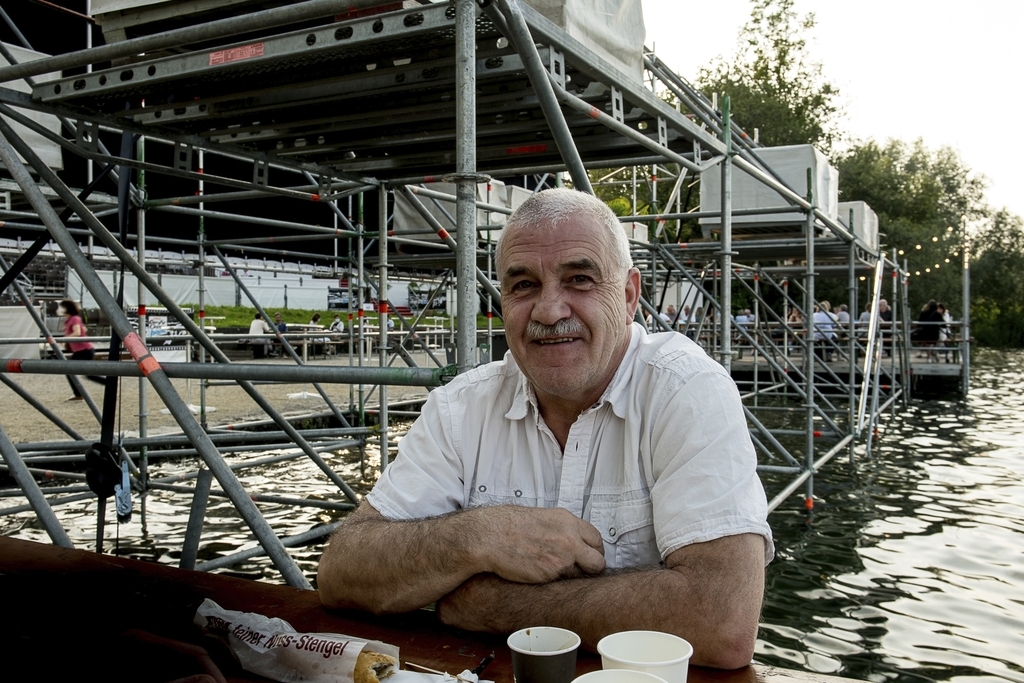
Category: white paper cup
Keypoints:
(618, 676)
(543, 654)
(662, 654)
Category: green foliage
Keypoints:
(242, 316)
(997, 281)
(773, 83)
(615, 188)
(924, 200)
(927, 203)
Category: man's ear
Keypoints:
(632, 293)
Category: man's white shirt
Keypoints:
(662, 460)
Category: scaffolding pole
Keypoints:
(150, 367)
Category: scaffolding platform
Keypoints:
(375, 96)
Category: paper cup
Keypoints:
(662, 654)
(544, 654)
(618, 676)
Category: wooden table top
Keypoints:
(66, 612)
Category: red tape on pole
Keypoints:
(148, 365)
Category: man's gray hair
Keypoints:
(553, 207)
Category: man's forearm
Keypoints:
(384, 566)
(713, 603)
(395, 566)
(592, 607)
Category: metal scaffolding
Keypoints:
(340, 112)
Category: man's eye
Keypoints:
(581, 279)
(521, 285)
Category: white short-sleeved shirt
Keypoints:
(662, 460)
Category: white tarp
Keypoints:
(17, 323)
(49, 152)
(614, 29)
(865, 222)
(791, 163)
(408, 221)
(517, 195)
(306, 292)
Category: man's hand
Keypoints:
(538, 545)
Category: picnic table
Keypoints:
(71, 612)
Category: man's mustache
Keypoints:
(571, 327)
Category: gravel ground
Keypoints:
(226, 404)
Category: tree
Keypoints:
(924, 200)
(773, 82)
(616, 188)
(997, 299)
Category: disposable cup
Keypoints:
(662, 654)
(618, 676)
(544, 654)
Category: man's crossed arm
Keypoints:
(503, 568)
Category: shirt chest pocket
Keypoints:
(628, 534)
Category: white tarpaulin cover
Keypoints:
(17, 323)
(48, 151)
(614, 29)
(408, 219)
(791, 163)
(865, 222)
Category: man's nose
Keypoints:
(552, 306)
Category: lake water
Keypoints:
(911, 568)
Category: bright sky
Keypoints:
(945, 72)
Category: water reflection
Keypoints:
(911, 569)
(913, 565)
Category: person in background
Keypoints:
(260, 345)
(337, 329)
(885, 320)
(823, 330)
(864, 320)
(745, 318)
(74, 326)
(669, 316)
(282, 327)
(927, 333)
(687, 322)
(795, 323)
(843, 320)
(946, 331)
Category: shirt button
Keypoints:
(519, 494)
(481, 488)
(611, 532)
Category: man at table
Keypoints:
(599, 478)
(280, 324)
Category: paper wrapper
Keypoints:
(270, 647)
